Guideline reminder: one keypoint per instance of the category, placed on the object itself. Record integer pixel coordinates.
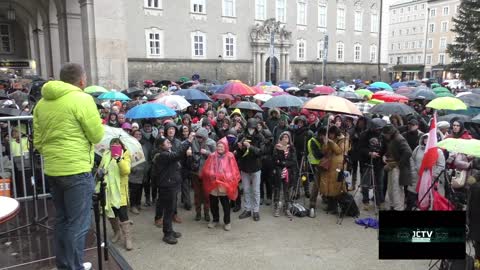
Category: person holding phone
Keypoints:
(115, 165)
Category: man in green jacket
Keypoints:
(66, 127)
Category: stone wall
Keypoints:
(173, 69)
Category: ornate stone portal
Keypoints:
(260, 37)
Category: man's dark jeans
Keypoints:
(72, 196)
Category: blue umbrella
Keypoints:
(193, 95)
(150, 110)
(286, 85)
(114, 96)
(398, 85)
(283, 101)
(413, 83)
(381, 85)
(214, 88)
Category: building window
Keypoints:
(405, 45)
(443, 43)
(441, 59)
(391, 60)
(399, 46)
(301, 47)
(154, 38)
(198, 6)
(430, 43)
(415, 7)
(394, 11)
(456, 8)
(358, 21)
(400, 32)
(433, 12)
(411, 59)
(428, 60)
(229, 8)
(446, 10)
(340, 52)
(393, 33)
(444, 26)
(393, 46)
(302, 12)
(5, 36)
(340, 18)
(407, 31)
(281, 11)
(374, 23)
(260, 9)
(414, 45)
(420, 44)
(153, 4)
(423, 6)
(229, 45)
(199, 45)
(401, 10)
(357, 53)
(431, 27)
(405, 59)
(373, 53)
(322, 16)
(419, 59)
(321, 50)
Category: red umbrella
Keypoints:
(223, 97)
(322, 90)
(393, 98)
(237, 88)
(404, 90)
(378, 94)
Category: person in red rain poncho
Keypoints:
(220, 176)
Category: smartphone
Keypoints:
(116, 150)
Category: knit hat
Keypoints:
(443, 124)
(388, 129)
(161, 140)
(135, 125)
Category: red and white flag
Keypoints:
(426, 169)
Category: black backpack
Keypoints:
(348, 206)
(298, 210)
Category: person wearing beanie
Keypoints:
(221, 115)
(273, 118)
(223, 127)
(301, 134)
(231, 136)
(397, 157)
(281, 127)
(201, 148)
(413, 134)
(113, 120)
(443, 127)
(458, 131)
(135, 126)
(285, 173)
(167, 169)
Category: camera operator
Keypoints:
(166, 164)
(370, 153)
(301, 134)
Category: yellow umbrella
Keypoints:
(447, 103)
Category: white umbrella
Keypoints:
(262, 97)
(175, 102)
(132, 144)
(293, 88)
(462, 94)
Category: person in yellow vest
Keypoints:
(19, 143)
(315, 156)
(19, 148)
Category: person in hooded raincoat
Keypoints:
(220, 176)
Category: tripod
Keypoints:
(36, 220)
(100, 201)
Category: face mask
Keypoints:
(116, 150)
(251, 131)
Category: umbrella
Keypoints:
(364, 107)
(98, 103)
(440, 90)
(467, 147)
(283, 101)
(133, 145)
(183, 79)
(472, 100)
(166, 83)
(375, 101)
(258, 89)
(222, 97)
(475, 90)
(12, 112)
(465, 93)
(188, 84)
(271, 89)
(214, 88)
(475, 120)
(292, 89)
(307, 87)
(339, 84)
(435, 85)
(451, 116)
(286, 85)
(445, 94)
(423, 94)
(280, 94)
(94, 88)
(150, 110)
(178, 103)
(322, 90)
(304, 99)
(237, 88)
(398, 84)
(264, 84)
(193, 95)
(447, 103)
(364, 92)
(19, 97)
(392, 108)
(262, 97)
(113, 95)
(381, 85)
(352, 96)
(405, 91)
(393, 98)
(332, 104)
(246, 105)
(413, 83)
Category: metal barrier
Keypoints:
(20, 162)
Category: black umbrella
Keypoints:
(390, 108)
(422, 93)
(352, 96)
(12, 112)
(456, 116)
(472, 100)
(19, 97)
(98, 103)
(247, 105)
(96, 94)
(307, 87)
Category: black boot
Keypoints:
(306, 189)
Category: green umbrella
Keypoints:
(447, 103)
(184, 79)
(364, 92)
(445, 94)
(441, 90)
(467, 147)
(435, 85)
(375, 101)
(95, 88)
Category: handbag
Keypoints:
(459, 179)
(324, 163)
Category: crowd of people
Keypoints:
(244, 160)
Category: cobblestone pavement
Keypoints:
(271, 243)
